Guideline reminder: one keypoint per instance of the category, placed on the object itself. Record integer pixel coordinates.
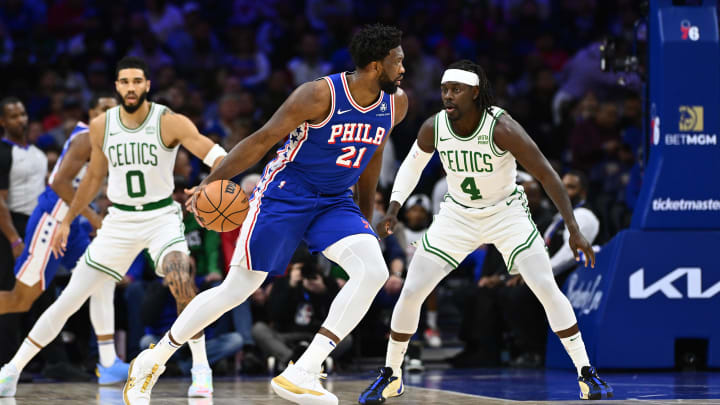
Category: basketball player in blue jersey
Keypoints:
(36, 266)
(338, 127)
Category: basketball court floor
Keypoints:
(442, 387)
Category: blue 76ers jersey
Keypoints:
(328, 157)
(79, 128)
(304, 193)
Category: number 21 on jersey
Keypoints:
(346, 159)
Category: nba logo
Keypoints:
(383, 107)
(655, 124)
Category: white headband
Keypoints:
(460, 76)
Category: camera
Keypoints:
(610, 62)
(618, 54)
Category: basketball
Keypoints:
(222, 206)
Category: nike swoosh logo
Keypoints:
(342, 111)
(445, 139)
(114, 133)
(509, 202)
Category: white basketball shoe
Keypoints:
(202, 386)
(142, 376)
(302, 387)
(9, 377)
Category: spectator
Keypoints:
(246, 61)
(423, 73)
(228, 114)
(309, 65)
(582, 74)
(163, 18)
(297, 306)
(323, 14)
(147, 47)
(594, 139)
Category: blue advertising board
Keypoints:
(648, 289)
(680, 185)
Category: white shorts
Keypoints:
(457, 230)
(124, 234)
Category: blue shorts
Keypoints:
(284, 213)
(37, 263)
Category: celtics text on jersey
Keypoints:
(479, 173)
(140, 165)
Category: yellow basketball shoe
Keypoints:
(385, 386)
(302, 387)
(142, 376)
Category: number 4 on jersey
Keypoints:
(469, 187)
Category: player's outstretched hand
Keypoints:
(578, 243)
(387, 225)
(59, 242)
(191, 203)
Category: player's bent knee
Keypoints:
(413, 293)
(376, 275)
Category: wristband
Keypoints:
(215, 152)
(16, 243)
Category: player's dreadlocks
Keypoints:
(485, 99)
(373, 43)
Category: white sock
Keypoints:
(431, 318)
(25, 353)
(316, 353)
(197, 348)
(395, 355)
(575, 347)
(106, 351)
(163, 350)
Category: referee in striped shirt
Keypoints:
(23, 169)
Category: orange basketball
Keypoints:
(222, 206)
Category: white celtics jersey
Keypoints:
(140, 166)
(479, 173)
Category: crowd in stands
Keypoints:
(228, 65)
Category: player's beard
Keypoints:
(388, 85)
(132, 108)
